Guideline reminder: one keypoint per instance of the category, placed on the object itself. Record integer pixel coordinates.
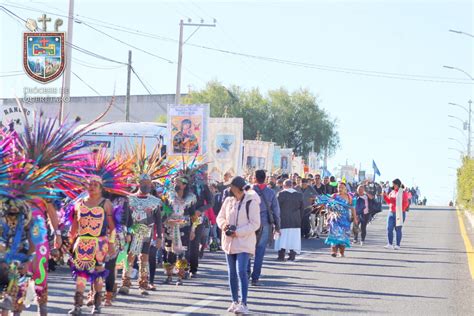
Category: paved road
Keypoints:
(428, 276)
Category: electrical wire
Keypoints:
(89, 65)
(97, 92)
(351, 71)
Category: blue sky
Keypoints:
(402, 124)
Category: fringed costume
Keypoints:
(142, 214)
(93, 223)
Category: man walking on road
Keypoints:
(308, 223)
(291, 207)
(269, 220)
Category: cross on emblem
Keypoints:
(44, 21)
(44, 41)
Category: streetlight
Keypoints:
(469, 116)
(457, 140)
(459, 69)
(457, 118)
(457, 128)
(458, 150)
(459, 106)
(461, 32)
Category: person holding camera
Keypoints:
(238, 219)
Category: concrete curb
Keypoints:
(470, 217)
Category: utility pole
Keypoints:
(127, 97)
(177, 99)
(66, 91)
(469, 131)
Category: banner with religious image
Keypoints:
(257, 155)
(225, 147)
(276, 168)
(313, 162)
(298, 165)
(286, 155)
(187, 130)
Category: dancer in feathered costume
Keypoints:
(93, 231)
(143, 215)
(23, 188)
(54, 147)
(181, 218)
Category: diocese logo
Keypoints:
(43, 51)
(43, 55)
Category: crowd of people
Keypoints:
(137, 210)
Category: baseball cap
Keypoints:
(239, 182)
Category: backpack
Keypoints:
(258, 232)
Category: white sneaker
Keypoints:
(241, 309)
(233, 307)
(396, 247)
(361, 243)
(388, 246)
(134, 274)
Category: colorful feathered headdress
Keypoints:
(21, 181)
(152, 166)
(111, 172)
(191, 172)
(55, 147)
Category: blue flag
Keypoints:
(376, 170)
(326, 173)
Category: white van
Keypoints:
(118, 136)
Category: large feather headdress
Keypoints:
(153, 165)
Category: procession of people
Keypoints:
(111, 215)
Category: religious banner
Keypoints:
(225, 147)
(13, 117)
(298, 166)
(313, 163)
(187, 130)
(276, 168)
(257, 155)
(286, 155)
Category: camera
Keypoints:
(230, 229)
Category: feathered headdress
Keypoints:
(20, 181)
(152, 165)
(192, 173)
(55, 147)
(110, 172)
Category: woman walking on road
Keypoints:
(238, 219)
(397, 200)
(340, 207)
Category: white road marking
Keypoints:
(198, 305)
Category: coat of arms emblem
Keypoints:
(43, 55)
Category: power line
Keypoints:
(12, 75)
(89, 86)
(139, 79)
(146, 88)
(351, 71)
(128, 44)
(90, 53)
(96, 92)
(89, 65)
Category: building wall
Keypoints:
(143, 108)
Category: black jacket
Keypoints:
(291, 208)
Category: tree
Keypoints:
(293, 120)
(465, 184)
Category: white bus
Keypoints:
(118, 136)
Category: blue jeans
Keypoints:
(260, 252)
(237, 270)
(391, 224)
